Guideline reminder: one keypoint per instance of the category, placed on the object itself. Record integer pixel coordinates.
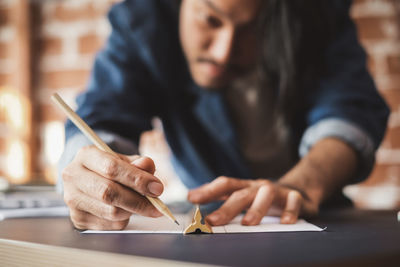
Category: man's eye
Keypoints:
(209, 20)
(213, 21)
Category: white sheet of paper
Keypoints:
(140, 224)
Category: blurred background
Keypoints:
(48, 46)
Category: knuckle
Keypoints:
(240, 195)
(66, 174)
(265, 183)
(69, 200)
(223, 180)
(296, 195)
(110, 167)
(139, 181)
(267, 189)
(108, 194)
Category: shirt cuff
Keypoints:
(117, 143)
(349, 133)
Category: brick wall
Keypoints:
(379, 31)
(6, 36)
(69, 32)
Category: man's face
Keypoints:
(219, 39)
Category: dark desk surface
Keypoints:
(353, 237)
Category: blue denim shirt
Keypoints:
(141, 73)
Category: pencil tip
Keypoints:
(177, 222)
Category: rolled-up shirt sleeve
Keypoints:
(347, 132)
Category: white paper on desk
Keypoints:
(139, 224)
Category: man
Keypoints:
(240, 87)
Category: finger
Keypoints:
(120, 171)
(114, 194)
(216, 190)
(292, 207)
(77, 200)
(83, 220)
(236, 203)
(145, 164)
(260, 206)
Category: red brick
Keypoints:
(394, 64)
(371, 65)
(379, 174)
(51, 46)
(6, 80)
(89, 44)
(5, 16)
(373, 27)
(392, 97)
(2, 145)
(389, 82)
(392, 138)
(64, 79)
(48, 113)
(74, 14)
(5, 50)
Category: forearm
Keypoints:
(327, 167)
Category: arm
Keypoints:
(346, 120)
(103, 191)
(326, 168)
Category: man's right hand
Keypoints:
(103, 191)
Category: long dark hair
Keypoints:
(295, 34)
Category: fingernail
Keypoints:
(286, 219)
(155, 188)
(249, 218)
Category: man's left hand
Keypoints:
(257, 196)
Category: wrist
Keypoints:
(306, 183)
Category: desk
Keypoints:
(353, 237)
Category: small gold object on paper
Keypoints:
(197, 226)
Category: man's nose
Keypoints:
(221, 48)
